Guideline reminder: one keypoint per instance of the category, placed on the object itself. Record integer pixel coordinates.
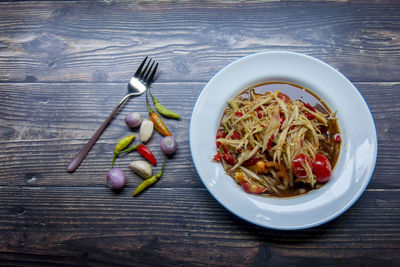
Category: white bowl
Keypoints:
(357, 157)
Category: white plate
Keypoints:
(358, 153)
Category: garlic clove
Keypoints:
(141, 168)
(146, 130)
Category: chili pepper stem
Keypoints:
(115, 154)
(159, 173)
(149, 109)
(122, 143)
(130, 149)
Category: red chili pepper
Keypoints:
(307, 105)
(269, 144)
(259, 115)
(217, 157)
(236, 135)
(238, 114)
(309, 115)
(291, 127)
(262, 126)
(258, 109)
(337, 138)
(146, 153)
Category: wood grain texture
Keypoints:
(64, 65)
(91, 41)
(184, 226)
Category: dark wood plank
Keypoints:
(45, 125)
(92, 41)
(182, 226)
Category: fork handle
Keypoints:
(85, 150)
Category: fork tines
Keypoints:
(147, 75)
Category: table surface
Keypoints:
(63, 67)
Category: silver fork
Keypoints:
(138, 84)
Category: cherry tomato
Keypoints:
(228, 157)
(322, 168)
(298, 165)
(236, 135)
(252, 188)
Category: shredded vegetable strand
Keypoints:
(273, 129)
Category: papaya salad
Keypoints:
(277, 146)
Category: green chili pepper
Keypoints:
(163, 110)
(149, 181)
(123, 143)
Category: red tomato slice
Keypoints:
(298, 165)
(252, 188)
(322, 168)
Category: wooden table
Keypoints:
(63, 67)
